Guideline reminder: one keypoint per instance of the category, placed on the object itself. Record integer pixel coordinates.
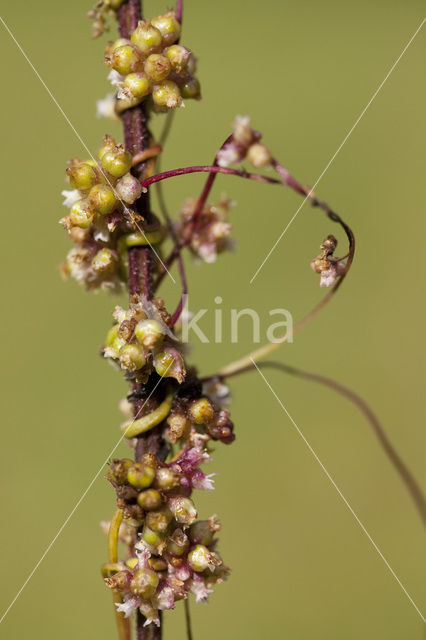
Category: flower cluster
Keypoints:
(101, 220)
(206, 234)
(141, 341)
(174, 554)
(244, 144)
(152, 65)
(326, 265)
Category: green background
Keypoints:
(302, 567)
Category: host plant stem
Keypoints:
(141, 266)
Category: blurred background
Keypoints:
(302, 567)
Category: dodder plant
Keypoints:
(173, 416)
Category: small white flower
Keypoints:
(71, 197)
(165, 599)
(204, 483)
(105, 107)
(207, 251)
(200, 590)
(227, 155)
(128, 606)
(243, 133)
(115, 78)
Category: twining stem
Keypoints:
(123, 624)
(405, 474)
(172, 173)
(247, 362)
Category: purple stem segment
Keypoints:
(172, 173)
(179, 10)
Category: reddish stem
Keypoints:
(179, 10)
(172, 173)
(141, 268)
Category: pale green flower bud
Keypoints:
(149, 333)
(138, 84)
(108, 143)
(157, 67)
(140, 475)
(167, 95)
(125, 59)
(117, 161)
(149, 499)
(103, 199)
(132, 357)
(153, 538)
(104, 261)
(146, 37)
(82, 175)
(178, 57)
(168, 26)
(201, 411)
(81, 214)
(183, 509)
(159, 520)
(200, 559)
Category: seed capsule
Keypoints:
(128, 188)
(104, 261)
(102, 198)
(178, 57)
(108, 143)
(146, 37)
(201, 532)
(144, 583)
(138, 84)
(178, 543)
(259, 156)
(191, 89)
(200, 558)
(132, 357)
(82, 175)
(159, 520)
(153, 538)
(167, 94)
(120, 581)
(118, 469)
(140, 475)
(149, 499)
(183, 510)
(157, 67)
(117, 161)
(81, 214)
(111, 335)
(166, 479)
(125, 59)
(149, 333)
(201, 411)
(168, 26)
(163, 363)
